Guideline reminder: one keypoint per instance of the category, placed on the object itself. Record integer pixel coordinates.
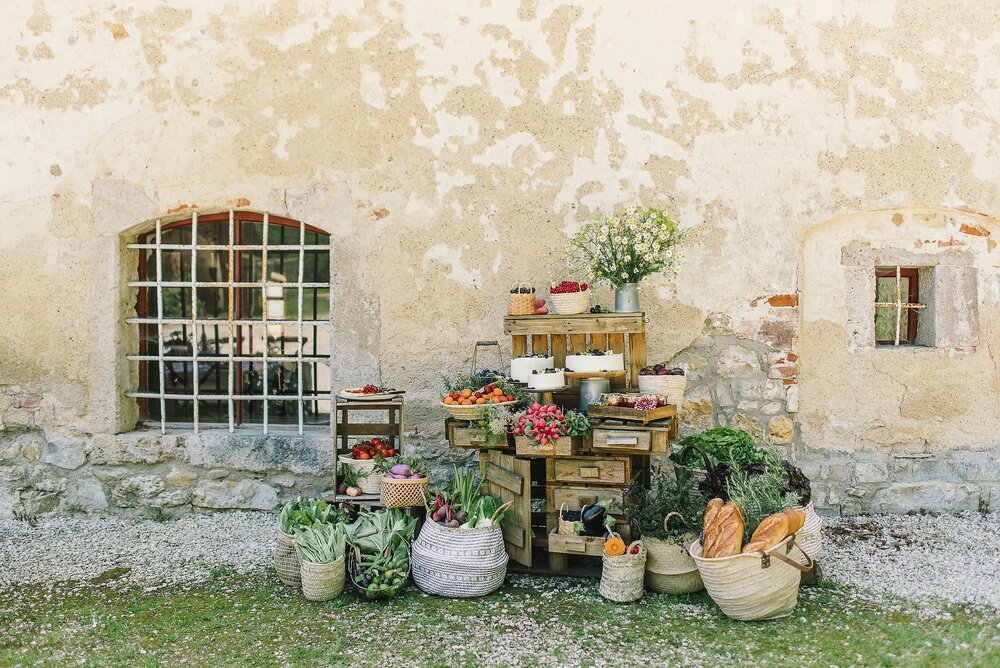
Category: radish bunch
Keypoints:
(541, 424)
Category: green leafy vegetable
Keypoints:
(321, 543)
(303, 513)
(666, 496)
(722, 445)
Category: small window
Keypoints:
(233, 316)
(897, 305)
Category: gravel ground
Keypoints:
(921, 558)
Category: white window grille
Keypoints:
(898, 318)
(282, 377)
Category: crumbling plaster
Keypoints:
(451, 148)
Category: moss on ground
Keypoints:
(238, 620)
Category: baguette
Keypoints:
(796, 518)
(772, 530)
(723, 531)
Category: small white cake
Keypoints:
(547, 379)
(595, 361)
(521, 367)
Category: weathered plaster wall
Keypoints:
(450, 148)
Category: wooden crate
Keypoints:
(590, 470)
(567, 446)
(631, 414)
(631, 439)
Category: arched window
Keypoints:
(233, 317)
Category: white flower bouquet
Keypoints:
(628, 246)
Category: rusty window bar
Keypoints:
(899, 304)
(219, 358)
(225, 247)
(229, 320)
(263, 298)
(302, 266)
(220, 321)
(159, 326)
(196, 372)
(224, 284)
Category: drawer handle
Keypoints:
(623, 440)
(576, 546)
(590, 472)
(475, 440)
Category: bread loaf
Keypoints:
(723, 530)
(771, 531)
(796, 518)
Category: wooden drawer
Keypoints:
(602, 471)
(566, 446)
(622, 440)
(575, 497)
(467, 437)
(632, 440)
(592, 546)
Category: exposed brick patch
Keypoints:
(949, 243)
(783, 301)
(783, 371)
(380, 213)
(181, 207)
(243, 201)
(974, 230)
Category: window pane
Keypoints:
(211, 233)
(277, 234)
(885, 325)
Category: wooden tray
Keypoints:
(631, 414)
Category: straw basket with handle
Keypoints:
(672, 387)
(755, 585)
(402, 492)
(566, 527)
(322, 582)
(669, 568)
(569, 303)
(520, 303)
(286, 560)
(622, 575)
(365, 468)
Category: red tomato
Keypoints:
(391, 452)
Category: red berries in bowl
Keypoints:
(564, 287)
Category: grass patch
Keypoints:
(234, 620)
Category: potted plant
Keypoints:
(623, 248)
(667, 514)
(496, 421)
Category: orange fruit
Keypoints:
(498, 392)
(466, 392)
(497, 400)
(449, 400)
(481, 400)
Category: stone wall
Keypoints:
(450, 151)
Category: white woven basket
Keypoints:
(458, 563)
(754, 586)
(670, 386)
(669, 568)
(810, 536)
(323, 582)
(368, 480)
(569, 303)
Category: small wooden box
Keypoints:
(567, 446)
(466, 437)
(631, 414)
(632, 439)
(592, 471)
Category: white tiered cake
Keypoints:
(521, 367)
(595, 361)
(547, 379)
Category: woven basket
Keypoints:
(810, 536)
(756, 585)
(670, 386)
(622, 576)
(669, 568)
(566, 528)
(322, 582)
(397, 493)
(568, 303)
(286, 560)
(471, 413)
(365, 468)
(459, 563)
(354, 556)
(520, 304)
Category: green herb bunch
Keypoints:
(303, 513)
(675, 499)
(761, 494)
(722, 445)
(321, 543)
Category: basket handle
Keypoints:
(669, 515)
(805, 568)
(561, 509)
(638, 542)
(520, 284)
